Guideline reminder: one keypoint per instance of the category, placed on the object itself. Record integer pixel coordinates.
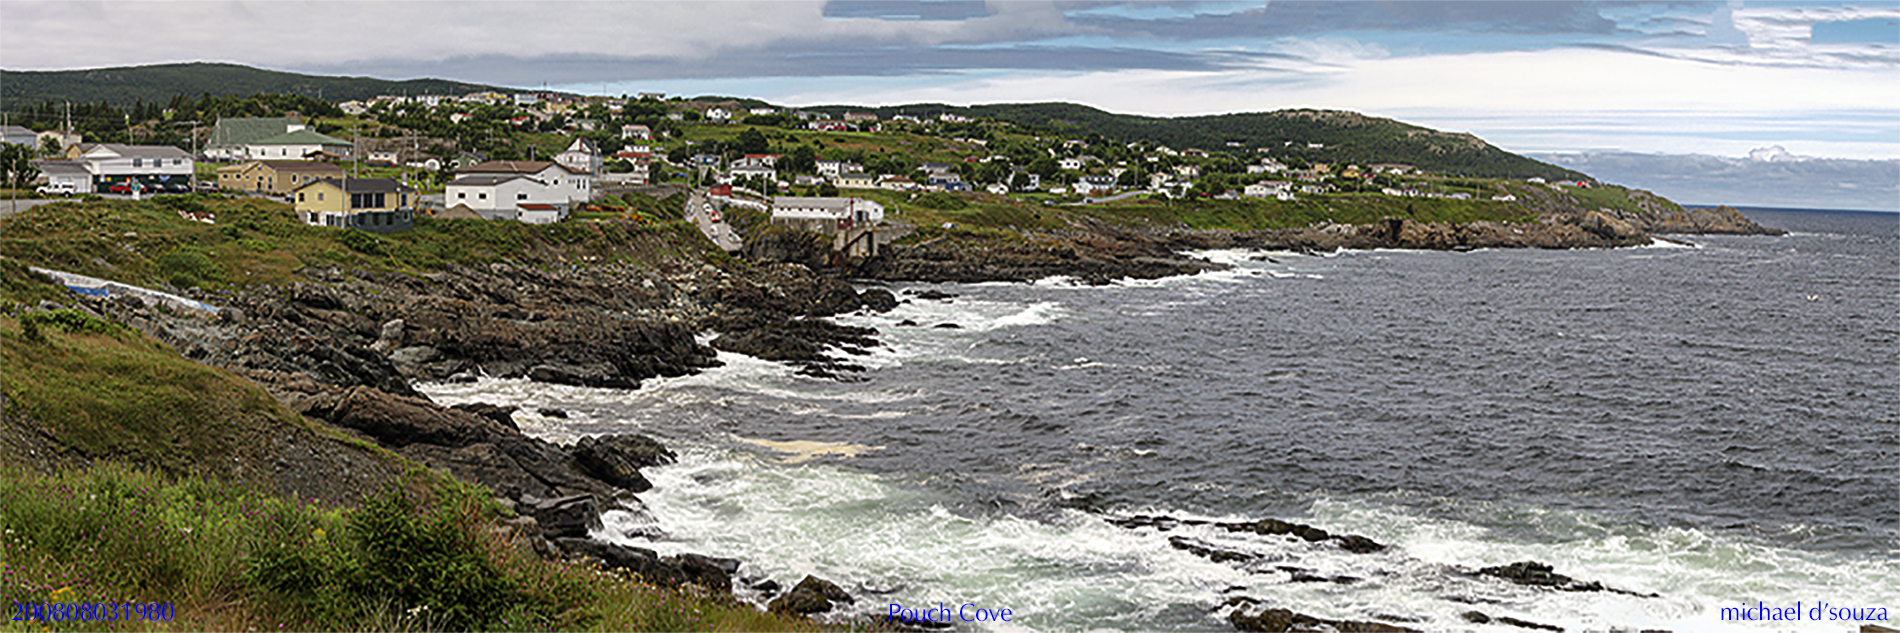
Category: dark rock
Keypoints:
(397, 421)
(500, 414)
(811, 595)
(1282, 620)
(878, 300)
(1505, 619)
(907, 323)
(947, 326)
(552, 413)
(706, 571)
(1207, 551)
(564, 517)
(768, 587)
(934, 295)
(598, 375)
(1536, 574)
(1476, 617)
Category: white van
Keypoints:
(57, 189)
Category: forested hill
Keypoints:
(160, 83)
(1343, 137)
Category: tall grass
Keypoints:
(419, 556)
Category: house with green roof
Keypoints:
(299, 144)
(230, 136)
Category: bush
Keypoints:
(70, 320)
(364, 242)
(188, 266)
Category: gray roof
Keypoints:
(301, 137)
(366, 185)
(485, 180)
(239, 132)
(62, 168)
(144, 151)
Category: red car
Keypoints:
(122, 187)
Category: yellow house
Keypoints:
(378, 205)
(275, 176)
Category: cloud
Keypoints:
(1283, 19)
(1811, 183)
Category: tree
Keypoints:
(752, 141)
(801, 160)
(17, 162)
(49, 146)
(827, 190)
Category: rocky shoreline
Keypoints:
(345, 346)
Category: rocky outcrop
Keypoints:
(1536, 574)
(1675, 220)
(617, 459)
(1349, 542)
(1245, 618)
(714, 574)
(811, 595)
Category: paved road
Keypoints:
(9, 207)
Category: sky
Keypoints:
(1701, 79)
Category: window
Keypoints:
(300, 197)
(482, 196)
(319, 196)
(461, 195)
(138, 162)
(521, 196)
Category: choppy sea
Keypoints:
(1715, 421)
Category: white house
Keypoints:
(297, 145)
(150, 165)
(718, 114)
(640, 132)
(580, 156)
(740, 172)
(230, 136)
(1089, 185)
(563, 185)
(507, 197)
(66, 173)
(16, 135)
(1280, 189)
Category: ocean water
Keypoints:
(1716, 422)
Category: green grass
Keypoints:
(261, 242)
(417, 556)
(1611, 197)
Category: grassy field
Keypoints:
(257, 241)
(153, 508)
(418, 556)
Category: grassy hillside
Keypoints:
(159, 83)
(132, 476)
(1347, 137)
(261, 242)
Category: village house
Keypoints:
(298, 144)
(851, 222)
(231, 136)
(496, 190)
(16, 135)
(275, 176)
(151, 167)
(856, 180)
(65, 138)
(1280, 189)
(836, 168)
(896, 183)
(741, 171)
(859, 117)
(580, 156)
(377, 205)
(636, 132)
(1266, 166)
(828, 125)
(1093, 184)
(66, 174)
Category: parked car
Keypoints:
(178, 187)
(58, 189)
(120, 187)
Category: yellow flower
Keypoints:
(317, 534)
